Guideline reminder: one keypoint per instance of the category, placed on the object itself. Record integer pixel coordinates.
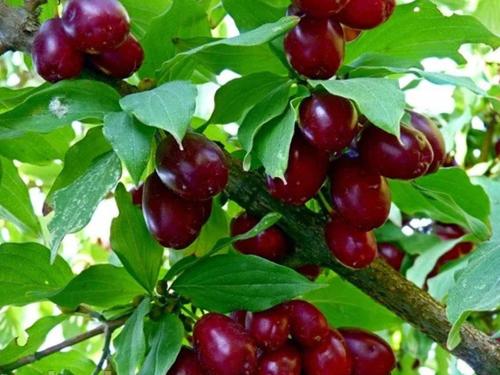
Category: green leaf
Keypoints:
(165, 346)
(440, 285)
(130, 344)
(226, 283)
(379, 99)
(139, 253)
(58, 105)
(37, 334)
(395, 43)
(36, 280)
(184, 19)
(37, 148)
(15, 203)
(488, 12)
(143, 12)
(169, 107)
(131, 141)
(73, 361)
(102, 285)
(235, 99)
(447, 196)
(249, 15)
(10, 98)
(346, 306)
(492, 187)
(75, 204)
(477, 288)
(255, 37)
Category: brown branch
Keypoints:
(380, 281)
(108, 327)
(33, 6)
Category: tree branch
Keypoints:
(380, 281)
(108, 328)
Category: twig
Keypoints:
(105, 350)
(108, 327)
(33, 6)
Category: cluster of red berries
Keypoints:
(177, 198)
(97, 31)
(292, 338)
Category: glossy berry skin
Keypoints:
(328, 122)
(311, 271)
(328, 357)
(284, 361)
(223, 346)
(96, 26)
(448, 231)
(350, 34)
(271, 244)
(361, 196)
(366, 14)
(121, 62)
(269, 328)
(308, 325)
(434, 136)
(391, 254)
(186, 364)
(306, 173)
(136, 193)
(320, 8)
(172, 220)
(370, 354)
(197, 172)
(54, 55)
(352, 247)
(384, 153)
(239, 317)
(315, 47)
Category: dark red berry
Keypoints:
(54, 55)
(350, 34)
(186, 364)
(284, 361)
(271, 244)
(361, 196)
(315, 47)
(121, 62)
(307, 169)
(329, 122)
(269, 328)
(308, 325)
(448, 231)
(320, 8)
(370, 354)
(497, 149)
(391, 254)
(136, 193)
(328, 357)
(366, 14)
(434, 136)
(311, 271)
(352, 247)
(405, 160)
(172, 220)
(223, 346)
(96, 25)
(239, 317)
(196, 172)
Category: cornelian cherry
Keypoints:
(186, 364)
(330, 356)
(391, 254)
(320, 8)
(284, 361)
(269, 328)
(308, 325)
(366, 14)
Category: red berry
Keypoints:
(239, 317)
(307, 169)
(136, 193)
(308, 325)
(320, 8)
(350, 34)
(269, 328)
(366, 14)
(405, 160)
(311, 271)
(352, 247)
(497, 149)
(434, 136)
(370, 354)
(448, 231)
(223, 346)
(271, 244)
(196, 172)
(172, 220)
(122, 61)
(315, 47)
(54, 55)
(284, 361)
(329, 122)
(186, 364)
(361, 196)
(391, 254)
(96, 25)
(328, 357)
